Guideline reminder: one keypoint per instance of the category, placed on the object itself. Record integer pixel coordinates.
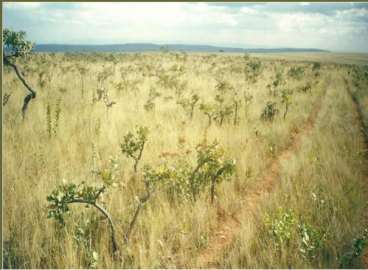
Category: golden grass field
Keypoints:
(297, 198)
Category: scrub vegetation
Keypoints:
(171, 159)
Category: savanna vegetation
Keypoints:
(169, 159)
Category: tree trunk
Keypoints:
(107, 215)
(236, 114)
(28, 97)
(213, 182)
(142, 201)
(286, 110)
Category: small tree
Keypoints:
(316, 66)
(153, 94)
(212, 167)
(269, 111)
(306, 88)
(296, 73)
(16, 46)
(253, 69)
(133, 144)
(222, 112)
(152, 179)
(188, 104)
(82, 72)
(209, 110)
(66, 194)
(286, 99)
(247, 100)
(237, 101)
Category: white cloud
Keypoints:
(202, 23)
(22, 5)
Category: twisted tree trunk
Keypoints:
(32, 93)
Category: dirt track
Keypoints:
(364, 132)
(228, 226)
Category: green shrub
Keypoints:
(281, 226)
(358, 245)
(312, 240)
(269, 111)
(296, 73)
(286, 99)
(284, 228)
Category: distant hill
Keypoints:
(149, 47)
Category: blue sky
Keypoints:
(331, 26)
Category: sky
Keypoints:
(330, 26)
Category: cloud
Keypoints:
(332, 26)
(22, 5)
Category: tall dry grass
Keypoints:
(171, 234)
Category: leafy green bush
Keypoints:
(311, 240)
(285, 227)
(281, 225)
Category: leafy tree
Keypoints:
(222, 112)
(185, 180)
(16, 46)
(188, 104)
(209, 110)
(213, 167)
(133, 144)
